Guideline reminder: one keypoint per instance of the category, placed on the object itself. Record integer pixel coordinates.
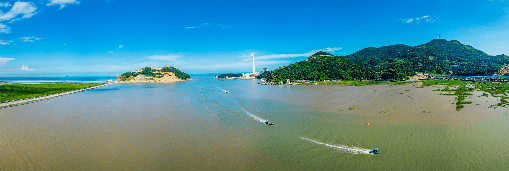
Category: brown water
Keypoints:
(193, 125)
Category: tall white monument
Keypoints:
(252, 55)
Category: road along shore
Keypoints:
(40, 98)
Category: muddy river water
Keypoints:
(194, 125)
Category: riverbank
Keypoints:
(20, 94)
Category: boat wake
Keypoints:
(349, 149)
(256, 118)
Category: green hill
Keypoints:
(155, 73)
(394, 62)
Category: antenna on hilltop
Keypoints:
(438, 36)
(252, 55)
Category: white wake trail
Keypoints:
(350, 149)
(257, 118)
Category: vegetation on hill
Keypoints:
(181, 75)
(434, 57)
(148, 71)
(320, 66)
(229, 75)
(395, 62)
(18, 91)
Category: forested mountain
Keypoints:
(320, 66)
(394, 62)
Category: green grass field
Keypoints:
(9, 92)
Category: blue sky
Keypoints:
(109, 37)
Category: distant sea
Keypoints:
(73, 78)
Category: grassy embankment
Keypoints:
(9, 92)
(461, 89)
(350, 83)
(358, 83)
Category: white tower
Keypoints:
(252, 55)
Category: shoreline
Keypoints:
(41, 98)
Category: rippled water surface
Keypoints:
(194, 125)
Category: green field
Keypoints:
(17, 91)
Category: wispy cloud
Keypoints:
(119, 47)
(5, 4)
(5, 42)
(260, 60)
(25, 9)
(5, 60)
(423, 19)
(30, 39)
(276, 56)
(172, 58)
(210, 24)
(202, 25)
(235, 65)
(4, 28)
(62, 3)
(26, 68)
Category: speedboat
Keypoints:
(226, 92)
(374, 151)
(268, 123)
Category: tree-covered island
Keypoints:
(394, 62)
(229, 76)
(153, 74)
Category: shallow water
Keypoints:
(194, 125)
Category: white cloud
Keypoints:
(5, 60)
(6, 4)
(260, 60)
(4, 28)
(30, 39)
(423, 19)
(119, 47)
(202, 25)
(173, 58)
(26, 9)
(62, 3)
(245, 65)
(169, 57)
(5, 42)
(275, 56)
(25, 68)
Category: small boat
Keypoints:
(268, 123)
(226, 92)
(374, 151)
